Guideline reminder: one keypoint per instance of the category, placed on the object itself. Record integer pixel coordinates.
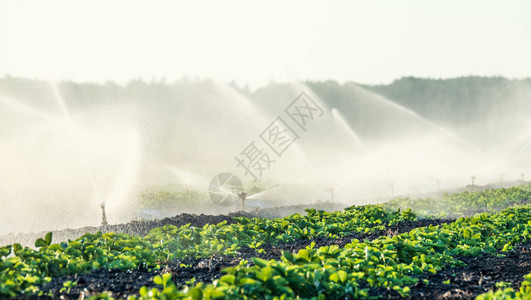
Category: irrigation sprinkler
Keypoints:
(392, 185)
(242, 197)
(473, 180)
(438, 185)
(501, 178)
(103, 215)
(240, 193)
(523, 175)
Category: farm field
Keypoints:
(268, 150)
(464, 245)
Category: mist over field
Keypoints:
(151, 149)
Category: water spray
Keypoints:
(74, 136)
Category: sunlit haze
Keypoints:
(145, 108)
(256, 42)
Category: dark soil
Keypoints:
(123, 283)
(478, 276)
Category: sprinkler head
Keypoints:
(242, 196)
(103, 215)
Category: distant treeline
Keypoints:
(455, 101)
(468, 98)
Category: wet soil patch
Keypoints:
(480, 275)
(123, 283)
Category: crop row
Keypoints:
(333, 272)
(466, 203)
(23, 270)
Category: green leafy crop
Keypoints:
(465, 203)
(23, 270)
(330, 271)
(393, 263)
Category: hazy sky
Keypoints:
(249, 41)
